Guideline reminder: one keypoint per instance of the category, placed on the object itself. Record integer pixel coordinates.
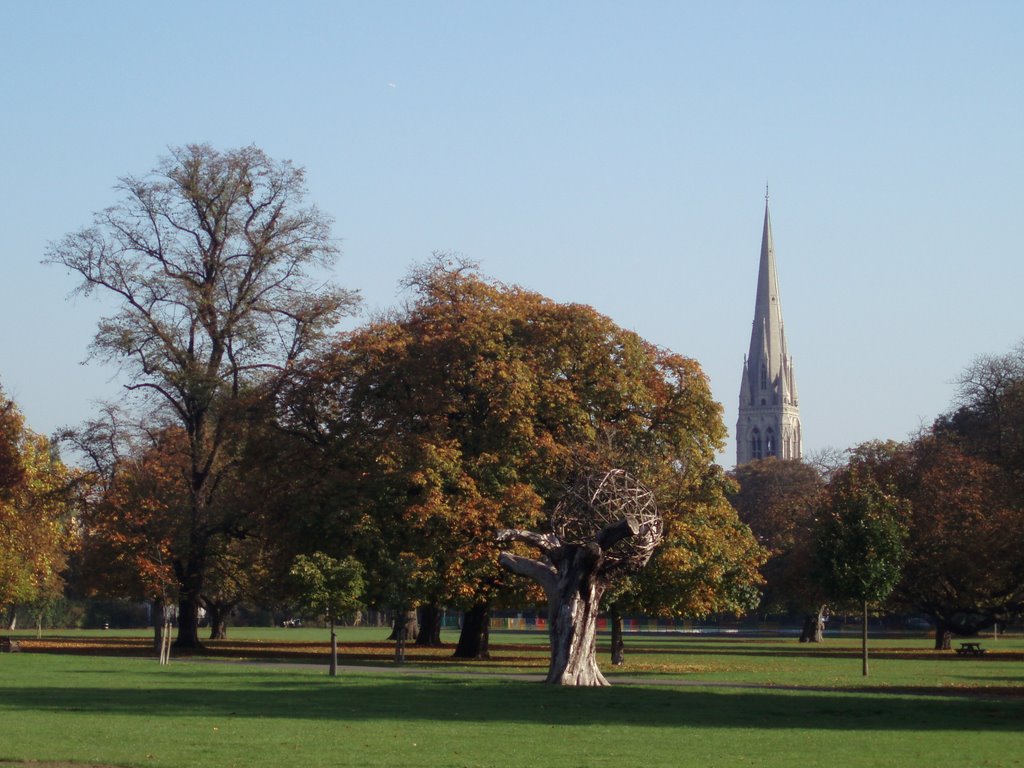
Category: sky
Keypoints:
(611, 154)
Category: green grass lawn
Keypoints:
(917, 708)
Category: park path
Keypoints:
(407, 671)
(532, 677)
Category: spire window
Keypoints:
(769, 439)
(764, 376)
(755, 444)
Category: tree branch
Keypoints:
(545, 542)
(542, 573)
(612, 534)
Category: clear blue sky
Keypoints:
(613, 154)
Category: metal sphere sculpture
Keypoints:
(600, 499)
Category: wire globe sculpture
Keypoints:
(600, 499)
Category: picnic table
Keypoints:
(970, 649)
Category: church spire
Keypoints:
(767, 305)
(769, 423)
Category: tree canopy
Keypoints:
(36, 513)
(327, 587)
(964, 568)
(860, 540)
(470, 409)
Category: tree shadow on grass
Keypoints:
(362, 698)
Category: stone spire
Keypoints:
(769, 420)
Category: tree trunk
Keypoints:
(814, 626)
(405, 626)
(474, 639)
(430, 626)
(807, 632)
(218, 614)
(864, 641)
(618, 646)
(942, 636)
(333, 671)
(399, 634)
(188, 623)
(574, 581)
(572, 618)
(158, 626)
(189, 602)
(12, 619)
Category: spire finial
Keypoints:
(766, 193)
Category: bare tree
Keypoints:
(210, 256)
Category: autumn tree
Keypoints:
(37, 528)
(132, 512)
(779, 500)
(212, 258)
(11, 425)
(963, 567)
(963, 480)
(468, 410)
(707, 562)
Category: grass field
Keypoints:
(678, 701)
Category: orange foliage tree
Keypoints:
(136, 527)
(469, 411)
(964, 568)
(37, 527)
(134, 519)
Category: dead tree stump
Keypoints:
(607, 522)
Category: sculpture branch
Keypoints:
(545, 542)
(540, 572)
(612, 534)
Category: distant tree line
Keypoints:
(956, 489)
(254, 440)
(258, 453)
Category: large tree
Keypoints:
(964, 480)
(964, 570)
(962, 567)
(212, 259)
(468, 411)
(779, 500)
(132, 521)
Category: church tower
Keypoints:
(769, 421)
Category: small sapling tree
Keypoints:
(860, 545)
(328, 588)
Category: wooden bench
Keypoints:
(970, 649)
(9, 646)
